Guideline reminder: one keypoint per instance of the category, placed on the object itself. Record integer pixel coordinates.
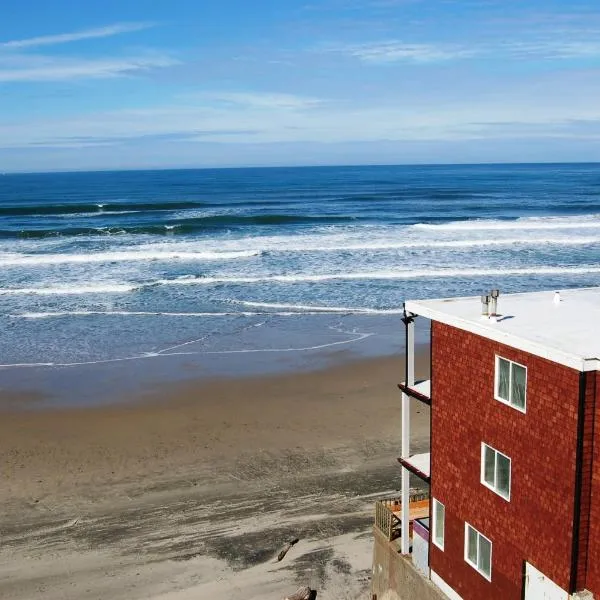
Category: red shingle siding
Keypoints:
(586, 479)
(593, 554)
(536, 525)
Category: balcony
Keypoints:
(420, 390)
(419, 465)
(388, 513)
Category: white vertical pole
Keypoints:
(405, 516)
(410, 381)
(410, 353)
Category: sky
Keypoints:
(123, 84)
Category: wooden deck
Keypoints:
(388, 513)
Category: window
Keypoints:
(511, 383)
(495, 471)
(439, 518)
(478, 551)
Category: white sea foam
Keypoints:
(471, 243)
(124, 256)
(527, 223)
(120, 288)
(320, 309)
(128, 313)
(99, 213)
(73, 290)
(398, 238)
(384, 275)
(135, 313)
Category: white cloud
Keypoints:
(86, 34)
(537, 112)
(262, 100)
(555, 49)
(397, 51)
(29, 68)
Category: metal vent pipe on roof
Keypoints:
(494, 303)
(485, 306)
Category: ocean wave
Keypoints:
(243, 313)
(249, 248)
(470, 243)
(124, 256)
(73, 290)
(92, 208)
(121, 288)
(184, 226)
(126, 207)
(302, 308)
(381, 275)
(129, 313)
(527, 223)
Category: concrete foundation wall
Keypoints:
(395, 577)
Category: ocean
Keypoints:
(115, 281)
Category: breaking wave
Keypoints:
(133, 255)
(187, 280)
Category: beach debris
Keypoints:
(303, 593)
(72, 523)
(286, 549)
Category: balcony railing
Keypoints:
(387, 512)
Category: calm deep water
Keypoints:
(127, 279)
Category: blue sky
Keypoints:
(140, 84)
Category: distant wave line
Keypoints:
(319, 309)
(125, 313)
(524, 224)
(382, 275)
(442, 244)
(369, 275)
(33, 260)
(116, 207)
(108, 208)
(125, 256)
(181, 226)
(70, 291)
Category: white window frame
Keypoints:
(434, 523)
(467, 560)
(494, 487)
(497, 383)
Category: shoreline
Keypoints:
(186, 354)
(208, 477)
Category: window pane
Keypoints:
(489, 457)
(503, 475)
(503, 378)
(484, 564)
(439, 523)
(472, 545)
(518, 385)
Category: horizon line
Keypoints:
(303, 166)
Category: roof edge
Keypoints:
(573, 361)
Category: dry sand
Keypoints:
(191, 491)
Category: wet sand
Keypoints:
(189, 491)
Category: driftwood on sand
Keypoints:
(303, 593)
(286, 548)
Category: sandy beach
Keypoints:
(191, 490)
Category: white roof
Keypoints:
(565, 332)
